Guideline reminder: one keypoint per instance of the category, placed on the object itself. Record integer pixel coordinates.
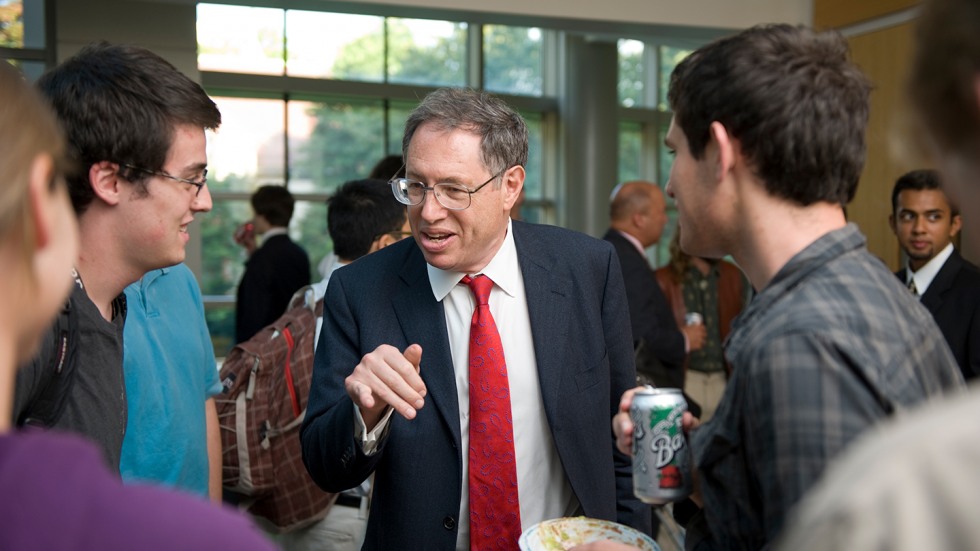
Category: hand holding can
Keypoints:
(694, 331)
(662, 466)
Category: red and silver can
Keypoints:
(661, 458)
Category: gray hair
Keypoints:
(502, 131)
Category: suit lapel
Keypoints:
(935, 294)
(549, 311)
(423, 321)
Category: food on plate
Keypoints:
(561, 534)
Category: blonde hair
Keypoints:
(27, 129)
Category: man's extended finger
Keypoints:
(414, 355)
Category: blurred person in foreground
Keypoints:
(833, 343)
(914, 483)
(473, 369)
(45, 472)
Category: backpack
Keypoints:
(55, 364)
(266, 382)
(57, 368)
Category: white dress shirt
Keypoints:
(328, 265)
(272, 232)
(543, 488)
(928, 272)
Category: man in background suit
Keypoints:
(925, 222)
(275, 269)
(637, 217)
(396, 338)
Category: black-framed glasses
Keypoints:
(451, 196)
(198, 184)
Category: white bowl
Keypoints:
(567, 532)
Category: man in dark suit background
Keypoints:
(637, 216)
(275, 270)
(396, 338)
(925, 222)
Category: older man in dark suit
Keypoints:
(502, 346)
(925, 222)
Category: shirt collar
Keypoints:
(272, 232)
(152, 275)
(636, 242)
(503, 269)
(924, 276)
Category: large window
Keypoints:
(310, 100)
(25, 37)
(513, 60)
(644, 77)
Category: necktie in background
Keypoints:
(915, 292)
(495, 513)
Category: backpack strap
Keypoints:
(56, 365)
(290, 346)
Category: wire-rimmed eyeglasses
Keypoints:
(199, 184)
(451, 196)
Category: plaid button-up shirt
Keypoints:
(832, 345)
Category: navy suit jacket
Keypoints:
(581, 334)
(953, 299)
(661, 344)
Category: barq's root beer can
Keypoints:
(661, 457)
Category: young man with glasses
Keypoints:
(136, 128)
(404, 333)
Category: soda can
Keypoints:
(661, 457)
(693, 318)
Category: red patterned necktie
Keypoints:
(495, 513)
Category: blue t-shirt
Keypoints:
(170, 372)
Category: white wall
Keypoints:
(166, 28)
(695, 13)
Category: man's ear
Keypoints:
(955, 224)
(382, 242)
(513, 182)
(891, 224)
(727, 149)
(639, 219)
(104, 179)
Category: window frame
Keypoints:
(286, 88)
